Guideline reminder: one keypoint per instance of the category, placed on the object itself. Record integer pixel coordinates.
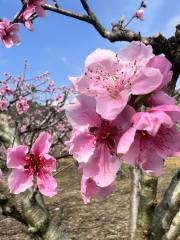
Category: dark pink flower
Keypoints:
(152, 138)
(4, 105)
(94, 140)
(111, 78)
(8, 33)
(27, 165)
(6, 90)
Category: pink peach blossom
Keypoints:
(4, 105)
(140, 14)
(26, 18)
(152, 137)
(6, 90)
(36, 6)
(58, 97)
(94, 140)
(8, 33)
(111, 78)
(22, 105)
(27, 165)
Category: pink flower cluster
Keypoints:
(4, 105)
(121, 113)
(22, 105)
(8, 30)
(32, 7)
(26, 165)
(8, 33)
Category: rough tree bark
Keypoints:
(27, 207)
(166, 219)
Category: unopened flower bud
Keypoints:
(140, 14)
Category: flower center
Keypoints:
(34, 163)
(105, 134)
(119, 78)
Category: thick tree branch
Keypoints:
(147, 203)
(174, 230)
(29, 209)
(166, 209)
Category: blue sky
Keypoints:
(60, 44)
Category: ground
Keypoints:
(106, 220)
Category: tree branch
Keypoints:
(174, 230)
(67, 13)
(134, 203)
(166, 209)
(147, 203)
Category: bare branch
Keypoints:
(67, 13)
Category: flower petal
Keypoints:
(109, 107)
(82, 146)
(148, 80)
(123, 120)
(164, 65)
(16, 157)
(151, 121)
(160, 98)
(101, 59)
(19, 181)
(150, 161)
(102, 167)
(132, 155)
(126, 140)
(81, 114)
(90, 189)
(42, 144)
(172, 110)
(136, 51)
(49, 162)
(167, 142)
(47, 184)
